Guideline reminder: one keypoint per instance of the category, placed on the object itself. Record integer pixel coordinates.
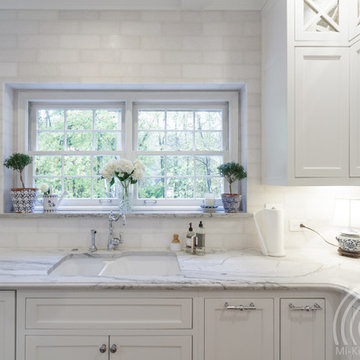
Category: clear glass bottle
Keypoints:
(189, 240)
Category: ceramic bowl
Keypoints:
(349, 241)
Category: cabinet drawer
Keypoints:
(108, 313)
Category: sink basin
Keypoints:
(128, 263)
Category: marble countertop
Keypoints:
(231, 270)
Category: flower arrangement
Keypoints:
(127, 173)
(45, 189)
(124, 170)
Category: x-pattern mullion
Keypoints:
(322, 13)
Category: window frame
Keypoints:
(130, 98)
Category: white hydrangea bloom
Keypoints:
(125, 166)
(44, 187)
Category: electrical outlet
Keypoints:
(294, 224)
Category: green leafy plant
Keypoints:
(18, 162)
(232, 172)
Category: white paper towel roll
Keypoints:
(270, 226)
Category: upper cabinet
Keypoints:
(310, 92)
(354, 18)
(324, 20)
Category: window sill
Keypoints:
(144, 214)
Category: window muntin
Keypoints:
(70, 145)
(127, 101)
(181, 146)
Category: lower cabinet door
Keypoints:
(302, 329)
(58, 347)
(239, 329)
(7, 325)
(150, 347)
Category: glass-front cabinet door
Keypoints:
(320, 20)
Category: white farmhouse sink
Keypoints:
(128, 263)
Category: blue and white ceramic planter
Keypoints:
(23, 200)
(231, 202)
(349, 242)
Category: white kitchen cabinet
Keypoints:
(355, 110)
(354, 18)
(61, 347)
(321, 112)
(7, 325)
(324, 20)
(151, 347)
(305, 104)
(239, 328)
(302, 329)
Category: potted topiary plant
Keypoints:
(23, 199)
(232, 172)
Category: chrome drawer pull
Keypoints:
(240, 307)
(102, 348)
(113, 349)
(308, 308)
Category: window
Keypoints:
(181, 137)
(181, 146)
(71, 144)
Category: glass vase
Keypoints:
(125, 197)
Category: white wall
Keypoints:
(147, 47)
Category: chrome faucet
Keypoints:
(114, 242)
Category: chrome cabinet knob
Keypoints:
(113, 349)
(102, 348)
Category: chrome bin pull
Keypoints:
(250, 307)
(307, 308)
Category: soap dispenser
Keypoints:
(189, 239)
(200, 240)
(175, 244)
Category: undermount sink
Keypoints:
(128, 263)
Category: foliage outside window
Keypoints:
(181, 150)
(180, 144)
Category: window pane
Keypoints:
(154, 164)
(207, 165)
(208, 141)
(179, 141)
(79, 119)
(77, 165)
(50, 119)
(100, 162)
(180, 188)
(79, 188)
(108, 119)
(106, 141)
(151, 120)
(151, 188)
(47, 165)
(55, 184)
(208, 120)
(151, 141)
(79, 141)
(102, 190)
(209, 185)
(50, 141)
(180, 165)
(180, 120)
